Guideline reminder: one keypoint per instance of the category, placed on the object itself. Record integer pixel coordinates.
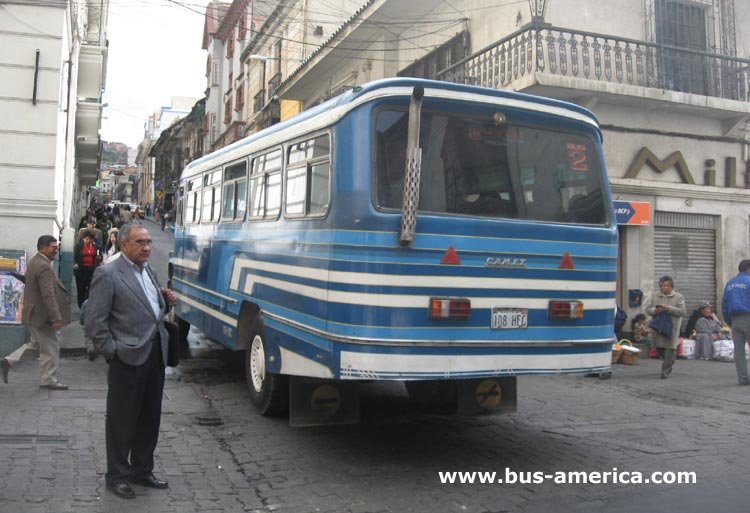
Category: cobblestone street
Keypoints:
(218, 455)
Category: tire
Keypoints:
(269, 393)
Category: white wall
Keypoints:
(32, 143)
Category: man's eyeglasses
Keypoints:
(143, 242)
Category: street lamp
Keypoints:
(538, 8)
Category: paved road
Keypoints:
(219, 456)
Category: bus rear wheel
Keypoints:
(269, 392)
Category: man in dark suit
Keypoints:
(46, 309)
(125, 319)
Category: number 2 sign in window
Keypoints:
(577, 157)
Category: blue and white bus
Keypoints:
(410, 230)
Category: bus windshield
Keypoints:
(474, 166)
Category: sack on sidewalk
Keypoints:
(723, 350)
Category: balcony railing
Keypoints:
(603, 58)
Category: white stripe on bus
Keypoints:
(404, 300)
(188, 264)
(375, 364)
(398, 280)
(207, 309)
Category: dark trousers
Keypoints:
(133, 416)
(667, 356)
(83, 282)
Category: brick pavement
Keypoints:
(219, 456)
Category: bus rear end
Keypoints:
(511, 267)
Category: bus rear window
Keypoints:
(472, 166)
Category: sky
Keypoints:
(154, 54)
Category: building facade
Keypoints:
(226, 31)
(668, 79)
(52, 62)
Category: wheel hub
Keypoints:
(257, 363)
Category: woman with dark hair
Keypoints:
(667, 308)
(87, 255)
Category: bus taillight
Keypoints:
(565, 310)
(450, 308)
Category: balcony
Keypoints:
(595, 57)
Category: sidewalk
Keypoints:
(52, 444)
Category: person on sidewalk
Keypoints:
(670, 305)
(46, 309)
(87, 256)
(735, 306)
(125, 319)
(707, 331)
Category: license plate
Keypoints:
(509, 318)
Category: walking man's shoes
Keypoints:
(151, 481)
(122, 490)
(5, 369)
(55, 386)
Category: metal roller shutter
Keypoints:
(685, 249)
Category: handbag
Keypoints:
(173, 344)
(662, 324)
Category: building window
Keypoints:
(239, 102)
(439, 59)
(682, 24)
(242, 28)
(230, 46)
(228, 111)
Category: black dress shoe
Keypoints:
(151, 481)
(122, 490)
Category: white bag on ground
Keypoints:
(688, 349)
(723, 350)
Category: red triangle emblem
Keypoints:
(450, 257)
(566, 262)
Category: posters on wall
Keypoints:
(12, 269)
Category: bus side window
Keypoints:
(180, 207)
(264, 184)
(308, 177)
(233, 207)
(211, 196)
(192, 214)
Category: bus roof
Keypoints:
(327, 113)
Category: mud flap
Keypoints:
(322, 402)
(487, 396)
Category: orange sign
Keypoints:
(633, 212)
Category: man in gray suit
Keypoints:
(125, 320)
